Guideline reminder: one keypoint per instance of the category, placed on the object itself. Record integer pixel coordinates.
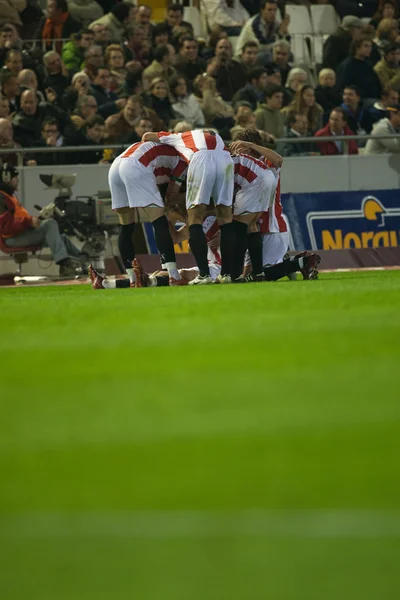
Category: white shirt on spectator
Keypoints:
(219, 13)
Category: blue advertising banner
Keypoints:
(339, 220)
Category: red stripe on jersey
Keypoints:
(212, 232)
(132, 149)
(179, 169)
(161, 150)
(187, 139)
(279, 209)
(162, 171)
(211, 140)
(245, 172)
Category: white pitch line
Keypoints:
(311, 524)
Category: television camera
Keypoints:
(89, 218)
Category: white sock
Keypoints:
(301, 262)
(152, 282)
(131, 275)
(172, 270)
(109, 284)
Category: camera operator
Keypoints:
(18, 228)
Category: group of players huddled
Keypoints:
(232, 211)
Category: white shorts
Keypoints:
(210, 174)
(274, 248)
(132, 185)
(255, 197)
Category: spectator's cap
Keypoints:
(350, 21)
(7, 172)
(393, 108)
(272, 69)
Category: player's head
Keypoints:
(249, 134)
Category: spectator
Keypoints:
(10, 89)
(57, 24)
(4, 107)
(304, 103)
(326, 93)
(188, 63)
(158, 100)
(337, 46)
(297, 127)
(217, 112)
(51, 138)
(390, 125)
(114, 60)
(269, 116)
(227, 14)
(160, 35)
(102, 35)
(123, 122)
(230, 76)
(27, 121)
(136, 47)
(7, 141)
(390, 97)
(9, 38)
(388, 69)
(140, 126)
(118, 19)
(13, 61)
(55, 73)
(143, 18)
(160, 67)
(244, 118)
(175, 21)
(295, 79)
(108, 102)
(358, 118)
(27, 80)
(86, 107)
(274, 74)
(253, 91)
(93, 135)
(186, 106)
(386, 10)
(80, 87)
(94, 59)
(85, 11)
(280, 59)
(386, 34)
(73, 52)
(355, 70)
(264, 28)
(248, 57)
(337, 125)
(19, 229)
(10, 12)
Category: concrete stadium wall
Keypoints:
(316, 174)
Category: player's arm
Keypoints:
(241, 147)
(150, 136)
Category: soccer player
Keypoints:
(209, 174)
(133, 179)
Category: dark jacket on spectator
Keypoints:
(353, 71)
(105, 101)
(28, 129)
(162, 108)
(57, 82)
(248, 94)
(190, 70)
(288, 149)
(230, 78)
(358, 121)
(327, 97)
(84, 158)
(336, 48)
(330, 148)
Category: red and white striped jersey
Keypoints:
(213, 237)
(190, 142)
(273, 221)
(165, 162)
(247, 169)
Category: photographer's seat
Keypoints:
(20, 255)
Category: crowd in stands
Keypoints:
(98, 72)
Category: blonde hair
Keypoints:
(292, 74)
(385, 27)
(112, 48)
(325, 72)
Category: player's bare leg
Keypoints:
(198, 243)
(225, 222)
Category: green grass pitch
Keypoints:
(221, 443)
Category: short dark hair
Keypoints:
(5, 76)
(50, 121)
(272, 89)
(174, 81)
(62, 5)
(93, 121)
(292, 116)
(391, 48)
(251, 44)
(121, 11)
(187, 38)
(354, 88)
(249, 134)
(263, 3)
(340, 110)
(356, 44)
(160, 52)
(175, 8)
(255, 73)
(159, 29)
(79, 34)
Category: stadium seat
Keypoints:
(324, 18)
(20, 255)
(300, 20)
(192, 15)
